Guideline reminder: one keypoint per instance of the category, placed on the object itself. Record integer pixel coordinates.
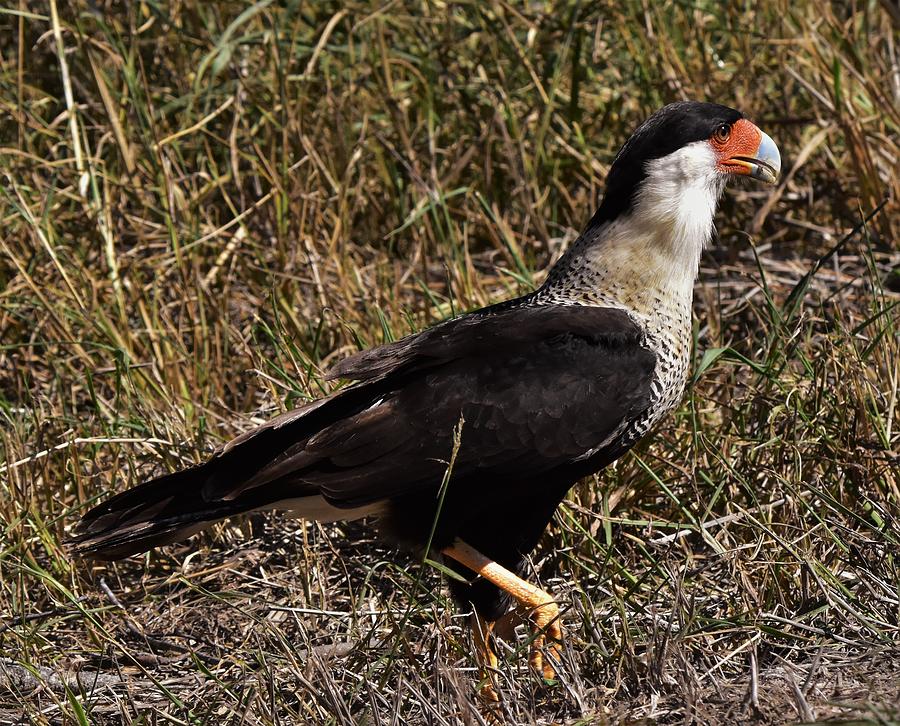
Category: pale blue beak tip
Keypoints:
(768, 168)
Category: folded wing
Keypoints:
(535, 388)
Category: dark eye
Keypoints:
(722, 133)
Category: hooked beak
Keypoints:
(764, 164)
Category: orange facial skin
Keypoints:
(735, 148)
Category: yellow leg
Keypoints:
(487, 658)
(542, 606)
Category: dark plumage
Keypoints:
(536, 388)
(544, 389)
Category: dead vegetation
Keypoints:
(204, 206)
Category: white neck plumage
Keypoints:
(649, 257)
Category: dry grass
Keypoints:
(203, 207)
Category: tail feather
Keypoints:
(266, 468)
(161, 511)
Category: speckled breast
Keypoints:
(669, 337)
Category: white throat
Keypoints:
(677, 202)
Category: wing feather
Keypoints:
(539, 389)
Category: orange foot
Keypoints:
(540, 604)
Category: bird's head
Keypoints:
(656, 215)
(682, 155)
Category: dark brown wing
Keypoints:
(492, 330)
(538, 388)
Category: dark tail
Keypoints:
(254, 471)
(158, 512)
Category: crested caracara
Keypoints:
(537, 392)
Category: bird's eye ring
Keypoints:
(722, 133)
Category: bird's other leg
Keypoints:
(541, 604)
(484, 652)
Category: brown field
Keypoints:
(205, 205)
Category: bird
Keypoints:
(460, 441)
